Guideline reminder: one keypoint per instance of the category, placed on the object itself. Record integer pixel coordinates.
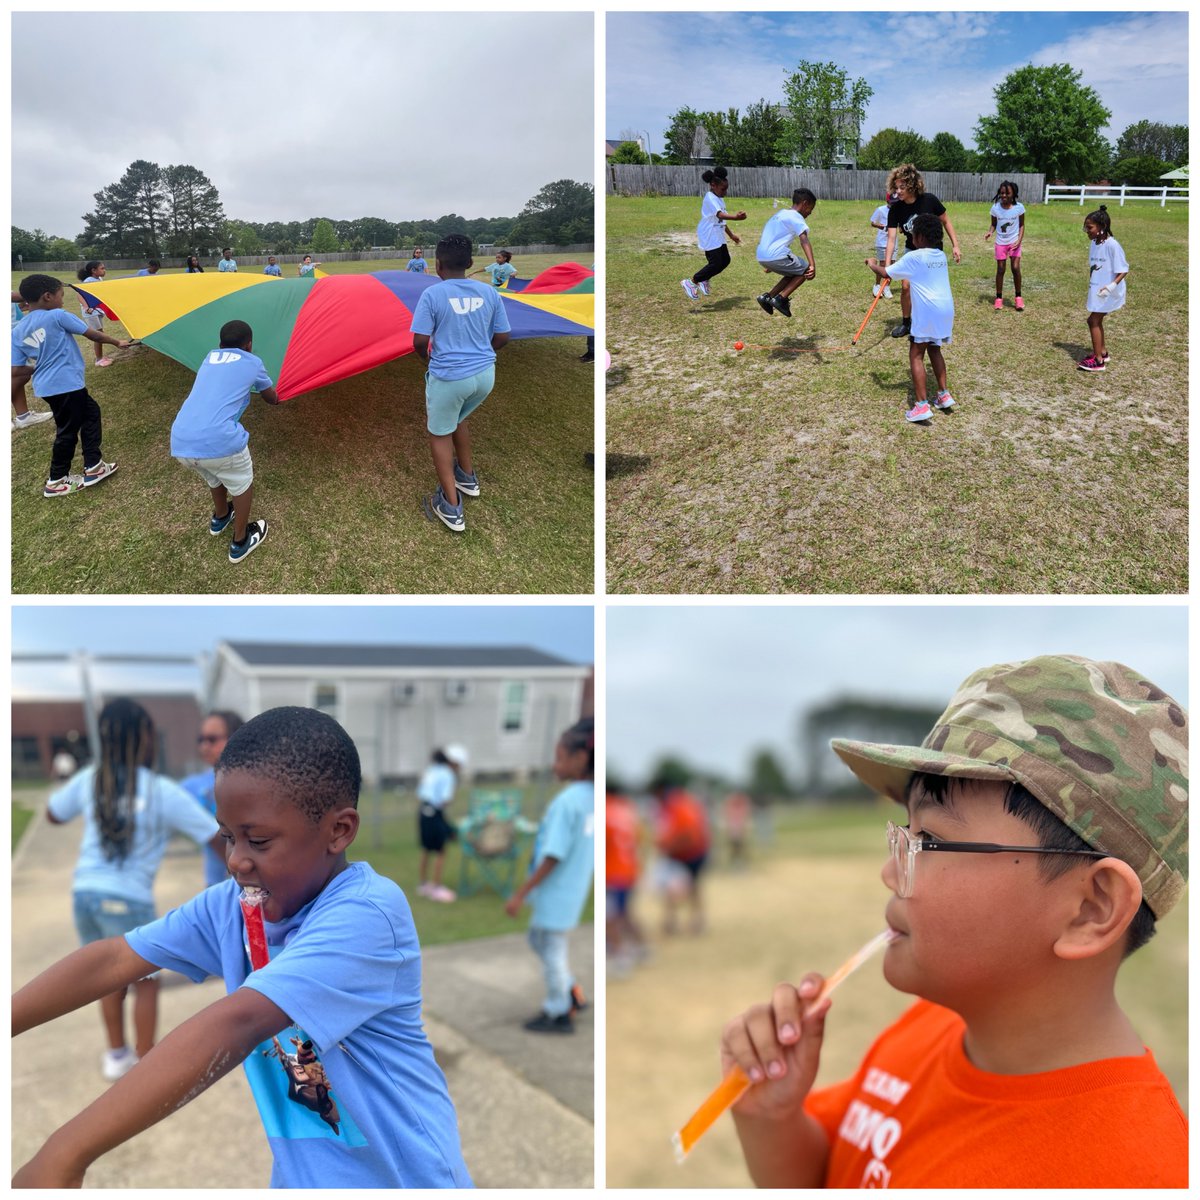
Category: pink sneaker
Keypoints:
(1091, 363)
(944, 401)
(999, 303)
(1019, 304)
(443, 894)
(919, 412)
(104, 362)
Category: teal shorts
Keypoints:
(449, 402)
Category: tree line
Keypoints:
(1046, 121)
(173, 211)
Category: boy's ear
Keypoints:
(1108, 896)
(343, 830)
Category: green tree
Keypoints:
(748, 140)
(60, 249)
(629, 152)
(767, 778)
(195, 215)
(561, 213)
(680, 138)
(1139, 170)
(30, 246)
(825, 112)
(1045, 121)
(242, 236)
(949, 154)
(890, 147)
(1167, 143)
(671, 772)
(324, 239)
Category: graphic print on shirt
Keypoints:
(868, 1129)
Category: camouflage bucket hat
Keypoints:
(1102, 748)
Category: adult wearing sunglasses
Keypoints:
(215, 730)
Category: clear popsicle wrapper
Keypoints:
(251, 900)
(736, 1083)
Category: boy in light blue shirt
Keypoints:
(561, 876)
(44, 350)
(272, 267)
(227, 262)
(208, 437)
(775, 255)
(151, 268)
(467, 324)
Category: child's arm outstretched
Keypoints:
(271, 396)
(185, 1063)
(880, 272)
(94, 335)
(778, 1046)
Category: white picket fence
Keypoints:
(1096, 191)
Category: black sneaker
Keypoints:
(903, 329)
(765, 303)
(579, 1002)
(783, 305)
(545, 1023)
(589, 357)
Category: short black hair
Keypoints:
(1051, 834)
(804, 196)
(236, 335)
(929, 229)
(454, 251)
(582, 736)
(305, 751)
(34, 287)
(227, 250)
(153, 262)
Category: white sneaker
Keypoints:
(425, 889)
(116, 1063)
(703, 286)
(887, 293)
(693, 293)
(875, 290)
(443, 895)
(31, 418)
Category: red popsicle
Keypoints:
(252, 902)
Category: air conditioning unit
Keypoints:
(458, 691)
(404, 693)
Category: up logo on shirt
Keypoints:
(217, 357)
(465, 304)
(35, 339)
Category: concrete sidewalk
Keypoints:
(524, 1101)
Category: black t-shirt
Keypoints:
(900, 214)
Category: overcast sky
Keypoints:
(930, 71)
(185, 630)
(712, 684)
(294, 115)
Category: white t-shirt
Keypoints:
(710, 233)
(1008, 222)
(928, 276)
(1106, 260)
(879, 217)
(778, 233)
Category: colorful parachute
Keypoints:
(313, 332)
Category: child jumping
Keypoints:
(435, 791)
(1008, 224)
(561, 876)
(129, 816)
(1044, 833)
(932, 322)
(467, 324)
(44, 350)
(774, 252)
(1107, 269)
(712, 232)
(208, 437)
(362, 1100)
(879, 224)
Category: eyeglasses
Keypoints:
(905, 846)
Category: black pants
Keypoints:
(77, 418)
(718, 260)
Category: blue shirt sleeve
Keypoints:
(422, 318)
(183, 814)
(70, 799)
(185, 940)
(500, 323)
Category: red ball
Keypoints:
(739, 345)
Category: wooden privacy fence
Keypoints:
(627, 179)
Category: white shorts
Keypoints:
(234, 472)
(94, 321)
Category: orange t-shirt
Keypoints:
(682, 830)
(622, 831)
(919, 1115)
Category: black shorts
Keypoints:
(434, 829)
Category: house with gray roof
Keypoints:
(506, 704)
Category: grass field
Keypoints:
(339, 476)
(792, 470)
(805, 904)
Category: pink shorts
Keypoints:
(1003, 252)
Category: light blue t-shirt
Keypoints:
(347, 970)
(272, 269)
(417, 265)
(144, 271)
(501, 273)
(928, 276)
(879, 217)
(307, 269)
(207, 424)
(45, 335)
(202, 786)
(161, 808)
(437, 785)
(227, 264)
(460, 315)
(778, 233)
(567, 832)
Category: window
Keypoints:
(325, 698)
(512, 707)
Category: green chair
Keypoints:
(490, 838)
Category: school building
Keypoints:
(506, 704)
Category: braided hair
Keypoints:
(126, 743)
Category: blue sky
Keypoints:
(713, 683)
(660, 62)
